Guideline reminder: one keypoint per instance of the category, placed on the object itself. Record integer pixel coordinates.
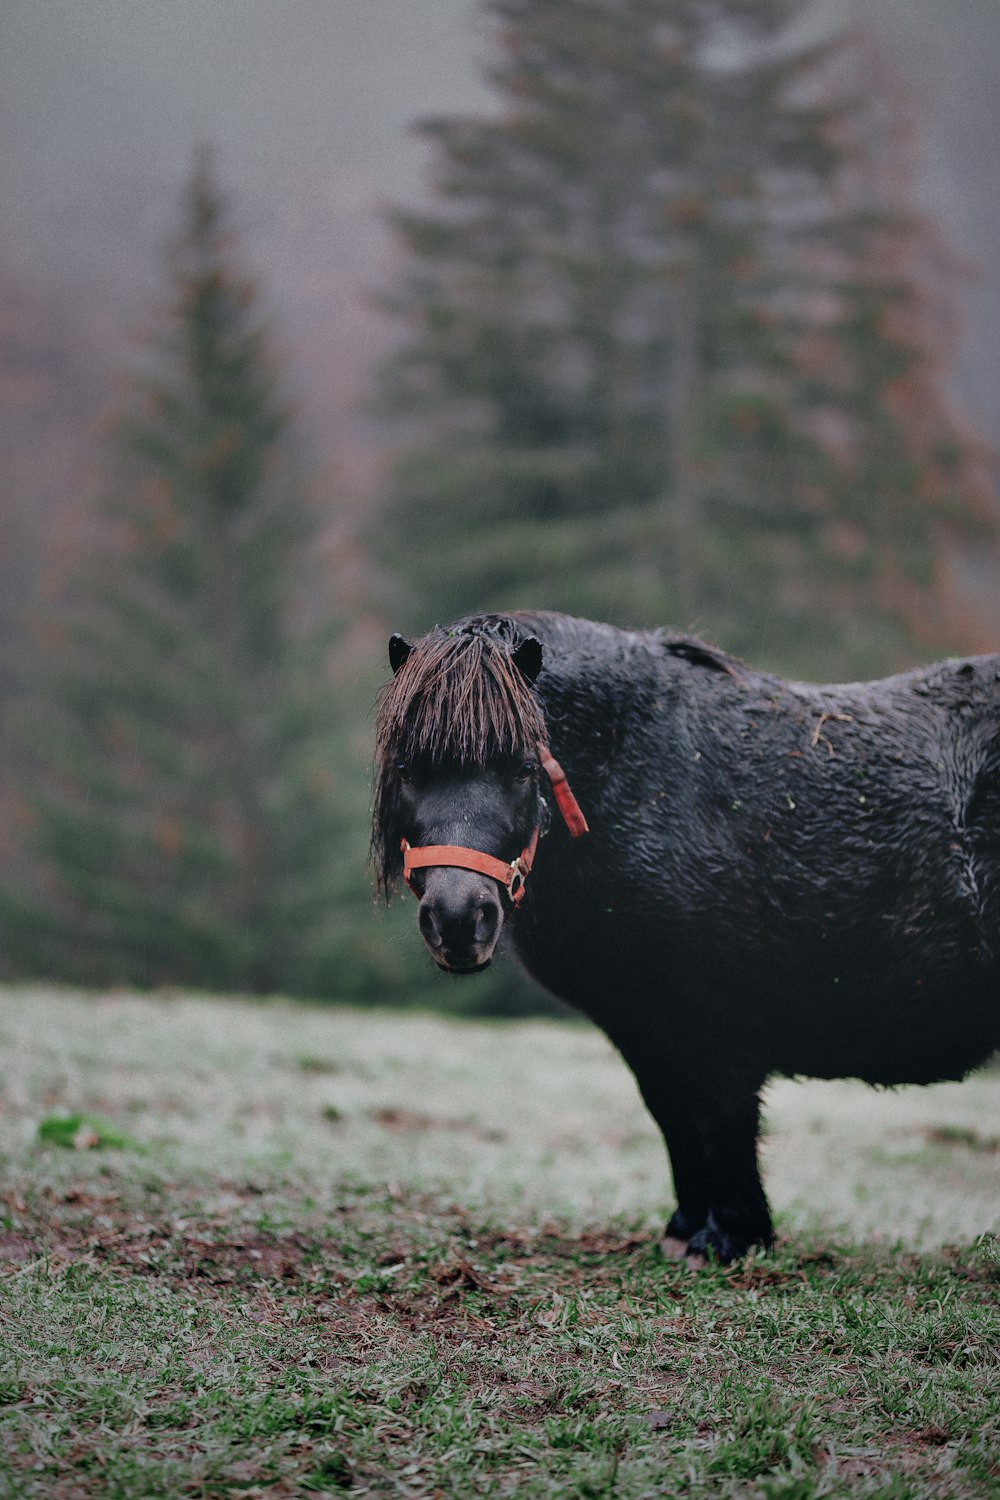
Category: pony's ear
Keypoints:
(528, 658)
(399, 650)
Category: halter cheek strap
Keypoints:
(511, 876)
(567, 803)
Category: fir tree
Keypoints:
(837, 487)
(608, 319)
(183, 818)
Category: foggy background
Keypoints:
(309, 108)
(309, 105)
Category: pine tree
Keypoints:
(604, 382)
(183, 817)
(844, 482)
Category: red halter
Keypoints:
(511, 876)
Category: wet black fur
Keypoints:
(780, 878)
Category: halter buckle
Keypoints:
(515, 882)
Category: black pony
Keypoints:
(778, 877)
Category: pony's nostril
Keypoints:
(429, 930)
(487, 921)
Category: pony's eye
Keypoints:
(403, 771)
(526, 771)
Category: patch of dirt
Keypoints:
(931, 1436)
(550, 1243)
(457, 1273)
(390, 1117)
(251, 1254)
(119, 1236)
(762, 1278)
(14, 1250)
(851, 1467)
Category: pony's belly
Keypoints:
(877, 1021)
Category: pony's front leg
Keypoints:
(678, 1125)
(687, 1164)
(738, 1214)
(710, 1133)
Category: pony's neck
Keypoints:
(590, 676)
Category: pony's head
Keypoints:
(457, 767)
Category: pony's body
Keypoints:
(778, 878)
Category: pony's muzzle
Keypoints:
(460, 918)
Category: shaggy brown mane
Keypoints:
(458, 699)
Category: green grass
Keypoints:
(388, 1254)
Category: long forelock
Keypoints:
(458, 699)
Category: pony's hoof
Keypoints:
(722, 1246)
(673, 1248)
(696, 1261)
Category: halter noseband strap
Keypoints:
(511, 876)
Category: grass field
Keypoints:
(392, 1254)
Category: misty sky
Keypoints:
(104, 100)
(308, 104)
